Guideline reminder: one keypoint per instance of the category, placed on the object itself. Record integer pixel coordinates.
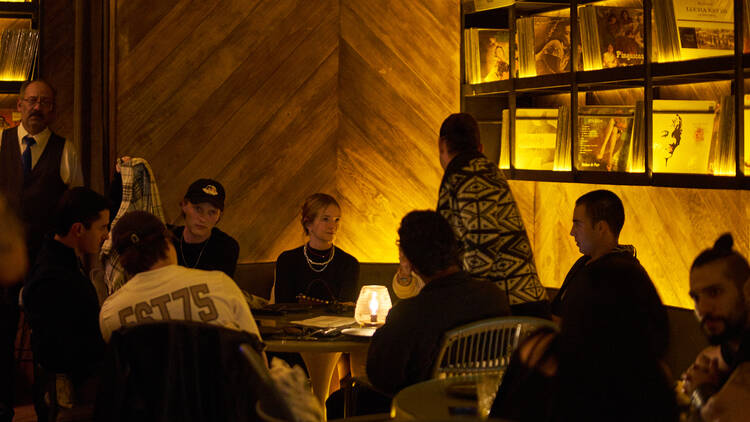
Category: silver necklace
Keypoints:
(310, 262)
(182, 254)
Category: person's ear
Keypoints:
(77, 229)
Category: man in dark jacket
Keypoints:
(59, 298)
(403, 351)
(598, 218)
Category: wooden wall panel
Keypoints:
(241, 91)
(57, 54)
(280, 99)
(399, 80)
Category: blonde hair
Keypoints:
(312, 207)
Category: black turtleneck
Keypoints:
(337, 281)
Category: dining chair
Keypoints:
(483, 347)
(182, 370)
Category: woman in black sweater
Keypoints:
(317, 270)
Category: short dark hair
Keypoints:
(460, 132)
(737, 268)
(604, 205)
(428, 242)
(140, 239)
(78, 205)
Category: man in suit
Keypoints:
(36, 167)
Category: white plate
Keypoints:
(359, 332)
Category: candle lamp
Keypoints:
(373, 305)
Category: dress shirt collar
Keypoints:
(41, 138)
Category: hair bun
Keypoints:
(724, 242)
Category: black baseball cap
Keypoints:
(206, 190)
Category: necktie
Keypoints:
(26, 156)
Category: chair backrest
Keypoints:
(178, 371)
(483, 346)
(256, 278)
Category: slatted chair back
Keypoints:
(483, 347)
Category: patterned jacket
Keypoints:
(477, 202)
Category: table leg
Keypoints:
(320, 368)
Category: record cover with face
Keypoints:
(493, 54)
(604, 137)
(620, 31)
(551, 44)
(682, 132)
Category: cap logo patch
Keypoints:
(210, 190)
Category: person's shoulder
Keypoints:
(290, 254)
(345, 255)
(223, 237)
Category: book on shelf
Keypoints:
(542, 136)
(486, 55)
(721, 157)
(18, 49)
(691, 29)
(605, 136)
(682, 134)
(543, 45)
(611, 36)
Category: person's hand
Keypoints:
(705, 370)
(123, 159)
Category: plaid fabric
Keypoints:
(139, 193)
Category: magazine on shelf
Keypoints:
(691, 29)
(637, 153)
(681, 138)
(604, 138)
(611, 36)
(486, 54)
(540, 135)
(543, 45)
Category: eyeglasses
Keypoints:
(44, 102)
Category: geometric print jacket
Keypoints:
(477, 202)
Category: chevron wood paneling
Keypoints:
(280, 99)
(399, 80)
(667, 226)
(241, 91)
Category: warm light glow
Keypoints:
(373, 305)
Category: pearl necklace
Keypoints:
(182, 254)
(310, 262)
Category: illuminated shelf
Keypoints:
(20, 10)
(9, 9)
(654, 80)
